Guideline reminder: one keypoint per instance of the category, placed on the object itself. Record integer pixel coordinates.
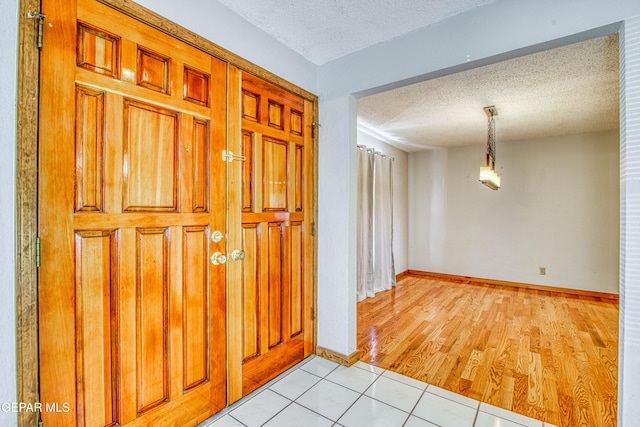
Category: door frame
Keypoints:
(27, 363)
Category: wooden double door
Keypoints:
(175, 220)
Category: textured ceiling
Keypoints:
(323, 30)
(568, 90)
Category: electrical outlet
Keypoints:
(543, 271)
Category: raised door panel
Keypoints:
(250, 106)
(201, 165)
(195, 307)
(274, 175)
(296, 278)
(275, 288)
(250, 291)
(132, 312)
(196, 86)
(98, 50)
(270, 324)
(150, 158)
(248, 172)
(296, 122)
(96, 325)
(90, 122)
(152, 332)
(153, 70)
(298, 179)
(276, 114)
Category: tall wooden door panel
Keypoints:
(270, 222)
(132, 312)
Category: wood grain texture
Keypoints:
(26, 283)
(160, 23)
(237, 337)
(343, 359)
(547, 355)
(271, 207)
(26, 211)
(137, 291)
(57, 314)
(531, 286)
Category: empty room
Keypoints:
(182, 232)
(496, 282)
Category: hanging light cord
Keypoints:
(491, 142)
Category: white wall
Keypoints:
(500, 31)
(217, 23)
(629, 337)
(8, 44)
(337, 225)
(558, 208)
(400, 197)
(503, 29)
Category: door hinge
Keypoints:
(313, 229)
(313, 313)
(37, 252)
(40, 17)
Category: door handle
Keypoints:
(218, 258)
(228, 156)
(238, 255)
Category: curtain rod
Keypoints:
(373, 150)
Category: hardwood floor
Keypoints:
(550, 356)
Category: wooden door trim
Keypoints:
(146, 16)
(27, 96)
(27, 211)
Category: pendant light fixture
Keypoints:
(488, 174)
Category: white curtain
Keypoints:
(365, 224)
(384, 276)
(376, 270)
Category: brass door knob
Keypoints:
(238, 255)
(218, 258)
(216, 236)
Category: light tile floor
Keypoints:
(319, 392)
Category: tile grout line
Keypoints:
(238, 420)
(246, 399)
(299, 404)
(380, 375)
(359, 397)
(268, 385)
(279, 412)
(409, 414)
(291, 402)
(475, 418)
(415, 406)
